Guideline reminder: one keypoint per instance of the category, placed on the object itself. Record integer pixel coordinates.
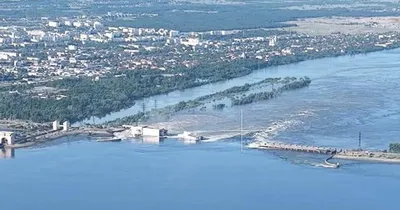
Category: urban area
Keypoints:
(55, 49)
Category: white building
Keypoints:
(77, 24)
(147, 131)
(65, 126)
(110, 35)
(173, 33)
(56, 125)
(272, 41)
(7, 138)
(54, 24)
(83, 37)
(72, 47)
(72, 60)
(67, 23)
(36, 35)
(190, 42)
(286, 51)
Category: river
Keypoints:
(314, 69)
(347, 95)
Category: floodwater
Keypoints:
(347, 95)
(314, 69)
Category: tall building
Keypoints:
(272, 41)
(68, 23)
(173, 33)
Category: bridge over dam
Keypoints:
(362, 155)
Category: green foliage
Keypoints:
(87, 98)
(219, 106)
(254, 97)
(394, 147)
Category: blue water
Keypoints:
(92, 175)
(347, 95)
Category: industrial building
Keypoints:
(147, 131)
(65, 126)
(7, 138)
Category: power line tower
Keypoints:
(359, 140)
(155, 112)
(144, 113)
(144, 108)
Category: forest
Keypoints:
(86, 97)
(394, 147)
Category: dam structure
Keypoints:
(292, 147)
(352, 154)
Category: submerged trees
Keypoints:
(394, 147)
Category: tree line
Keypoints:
(254, 97)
